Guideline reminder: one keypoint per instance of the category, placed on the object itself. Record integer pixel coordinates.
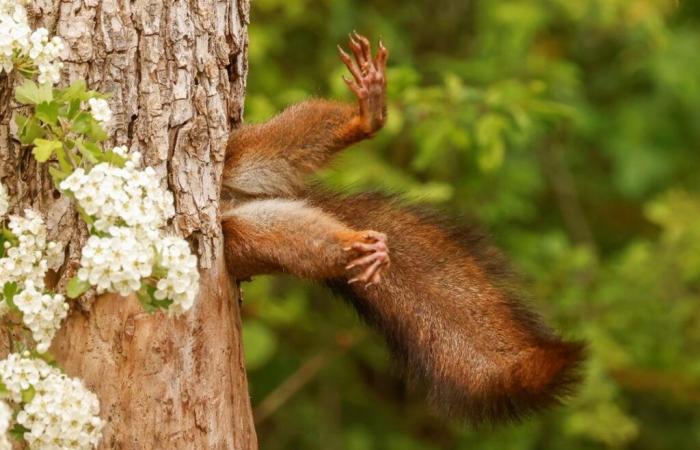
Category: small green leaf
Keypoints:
(9, 236)
(29, 93)
(9, 291)
(28, 394)
(76, 91)
(76, 287)
(113, 159)
(96, 132)
(21, 121)
(87, 218)
(30, 131)
(162, 304)
(63, 162)
(90, 151)
(3, 389)
(17, 432)
(47, 112)
(82, 123)
(43, 149)
(72, 109)
(145, 295)
(47, 357)
(57, 175)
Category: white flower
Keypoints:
(4, 202)
(5, 419)
(99, 108)
(26, 261)
(62, 414)
(41, 313)
(181, 283)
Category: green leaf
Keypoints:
(9, 236)
(87, 218)
(47, 357)
(29, 93)
(17, 432)
(113, 159)
(9, 291)
(72, 109)
(76, 287)
(3, 389)
(21, 121)
(43, 149)
(28, 394)
(82, 123)
(96, 132)
(145, 296)
(57, 175)
(63, 162)
(76, 91)
(90, 151)
(30, 130)
(162, 304)
(47, 112)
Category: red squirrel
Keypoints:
(441, 300)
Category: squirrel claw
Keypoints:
(374, 258)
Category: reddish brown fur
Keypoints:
(444, 306)
(451, 320)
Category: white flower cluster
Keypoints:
(17, 41)
(62, 414)
(42, 313)
(4, 202)
(121, 196)
(117, 263)
(26, 264)
(129, 207)
(5, 419)
(174, 256)
(14, 32)
(29, 260)
(45, 53)
(99, 108)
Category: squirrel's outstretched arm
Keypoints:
(274, 157)
(289, 236)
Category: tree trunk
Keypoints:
(176, 71)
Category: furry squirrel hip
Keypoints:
(433, 289)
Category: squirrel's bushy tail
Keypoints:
(450, 319)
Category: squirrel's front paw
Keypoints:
(369, 81)
(373, 257)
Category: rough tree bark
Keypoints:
(176, 71)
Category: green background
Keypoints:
(570, 130)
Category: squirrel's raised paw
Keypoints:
(373, 258)
(368, 81)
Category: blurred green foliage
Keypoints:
(571, 130)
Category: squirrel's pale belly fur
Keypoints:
(443, 305)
